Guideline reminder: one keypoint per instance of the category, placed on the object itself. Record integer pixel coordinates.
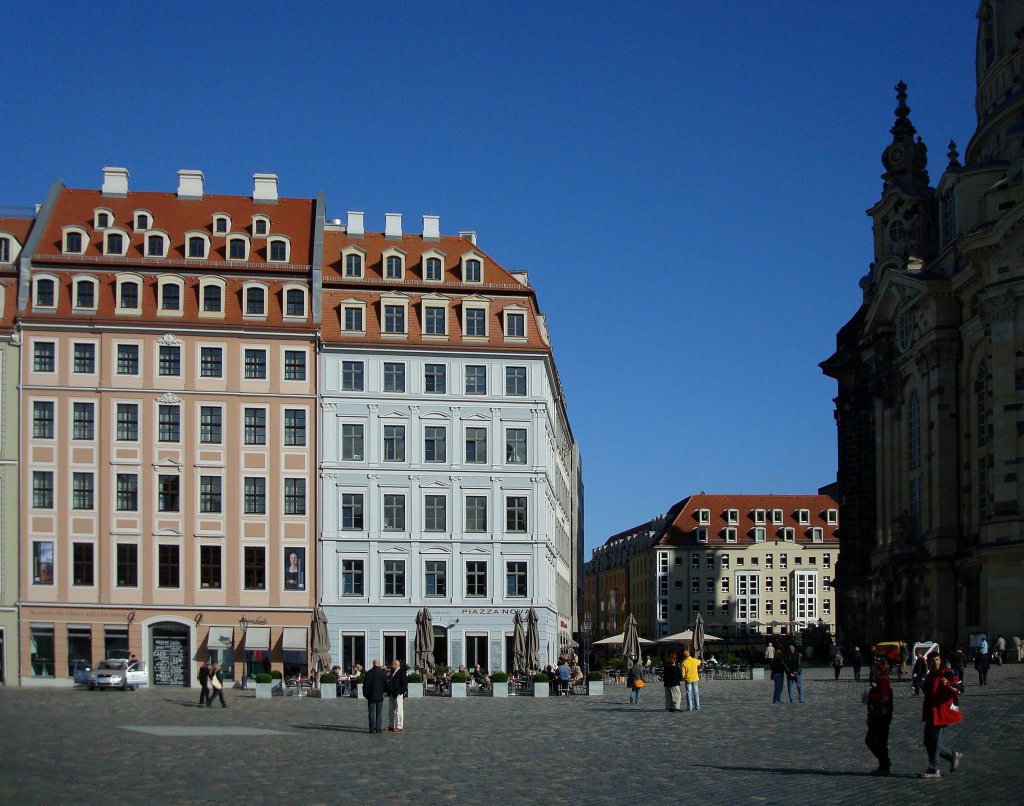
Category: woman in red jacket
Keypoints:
(939, 709)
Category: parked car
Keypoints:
(117, 673)
(81, 671)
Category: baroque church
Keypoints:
(930, 373)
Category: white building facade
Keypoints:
(449, 473)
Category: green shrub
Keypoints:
(263, 677)
(328, 677)
(595, 675)
(276, 674)
(499, 677)
(415, 677)
(460, 677)
(359, 680)
(540, 677)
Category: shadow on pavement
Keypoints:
(795, 771)
(336, 728)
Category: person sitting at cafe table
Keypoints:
(480, 677)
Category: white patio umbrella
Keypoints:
(613, 640)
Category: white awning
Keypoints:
(221, 638)
(257, 638)
(294, 638)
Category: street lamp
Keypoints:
(586, 630)
(243, 622)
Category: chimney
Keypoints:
(115, 182)
(431, 228)
(264, 187)
(469, 235)
(190, 184)
(355, 224)
(393, 225)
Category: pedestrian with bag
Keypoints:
(879, 702)
(216, 687)
(635, 681)
(837, 662)
(204, 684)
(940, 709)
(793, 674)
(672, 677)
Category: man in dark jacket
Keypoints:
(375, 684)
(672, 677)
(204, 683)
(398, 689)
(793, 673)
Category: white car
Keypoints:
(118, 673)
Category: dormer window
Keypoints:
(45, 293)
(394, 264)
(817, 534)
(433, 270)
(260, 225)
(803, 516)
(85, 294)
(128, 289)
(701, 534)
(759, 534)
(832, 516)
(732, 516)
(238, 248)
(474, 317)
(8, 249)
(729, 532)
(73, 241)
(102, 219)
(472, 269)
(143, 221)
(787, 533)
(277, 249)
(114, 243)
(703, 516)
(221, 224)
(515, 322)
(156, 245)
(394, 314)
(434, 316)
(353, 316)
(759, 516)
(197, 246)
(352, 258)
(776, 517)
(255, 300)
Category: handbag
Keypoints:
(215, 682)
(638, 683)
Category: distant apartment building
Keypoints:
(169, 428)
(451, 478)
(749, 564)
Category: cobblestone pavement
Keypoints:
(156, 746)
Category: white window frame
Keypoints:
(817, 534)
(35, 292)
(74, 292)
(831, 516)
(124, 279)
(803, 516)
(760, 534)
(271, 240)
(704, 516)
(125, 241)
(264, 219)
(776, 517)
(432, 253)
(246, 287)
(206, 242)
(433, 301)
(84, 233)
(163, 282)
(402, 301)
(518, 310)
(463, 263)
(758, 516)
(353, 249)
(729, 533)
(701, 533)
(135, 220)
(221, 233)
(236, 236)
(152, 233)
(222, 285)
(351, 303)
(96, 218)
(475, 303)
(305, 302)
(787, 534)
(392, 251)
(732, 516)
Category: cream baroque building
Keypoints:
(930, 373)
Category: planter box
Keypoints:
(415, 691)
(540, 689)
(328, 691)
(264, 691)
(595, 688)
(499, 689)
(459, 689)
(757, 673)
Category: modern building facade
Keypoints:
(749, 564)
(13, 234)
(168, 449)
(929, 374)
(450, 472)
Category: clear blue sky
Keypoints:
(684, 182)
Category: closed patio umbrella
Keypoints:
(320, 642)
(631, 641)
(698, 636)
(424, 640)
(519, 651)
(532, 642)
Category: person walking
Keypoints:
(398, 690)
(941, 708)
(837, 663)
(635, 681)
(216, 687)
(204, 684)
(769, 653)
(778, 668)
(999, 653)
(691, 681)
(958, 661)
(672, 676)
(375, 685)
(856, 661)
(920, 672)
(793, 673)
(982, 663)
(879, 701)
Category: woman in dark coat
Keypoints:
(879, 701)
(982, 664)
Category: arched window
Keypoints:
(433, 269)
(393, 269)
(473, 271)
(155, 246)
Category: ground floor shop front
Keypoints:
(462, 635)
(56, 641)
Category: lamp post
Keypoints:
(243, 622)
(585, 632)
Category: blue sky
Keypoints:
(684, 182)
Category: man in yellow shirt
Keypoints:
(691, 677)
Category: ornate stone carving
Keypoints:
(169, 398)
(997, 307)
(169, 339)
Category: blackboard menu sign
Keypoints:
(169, 661)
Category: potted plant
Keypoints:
(499, 684)
(277, 676)
(328, 686)
(595, 683)
(264, 686)
(540, 685)
(415, 680)
(459, 681)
